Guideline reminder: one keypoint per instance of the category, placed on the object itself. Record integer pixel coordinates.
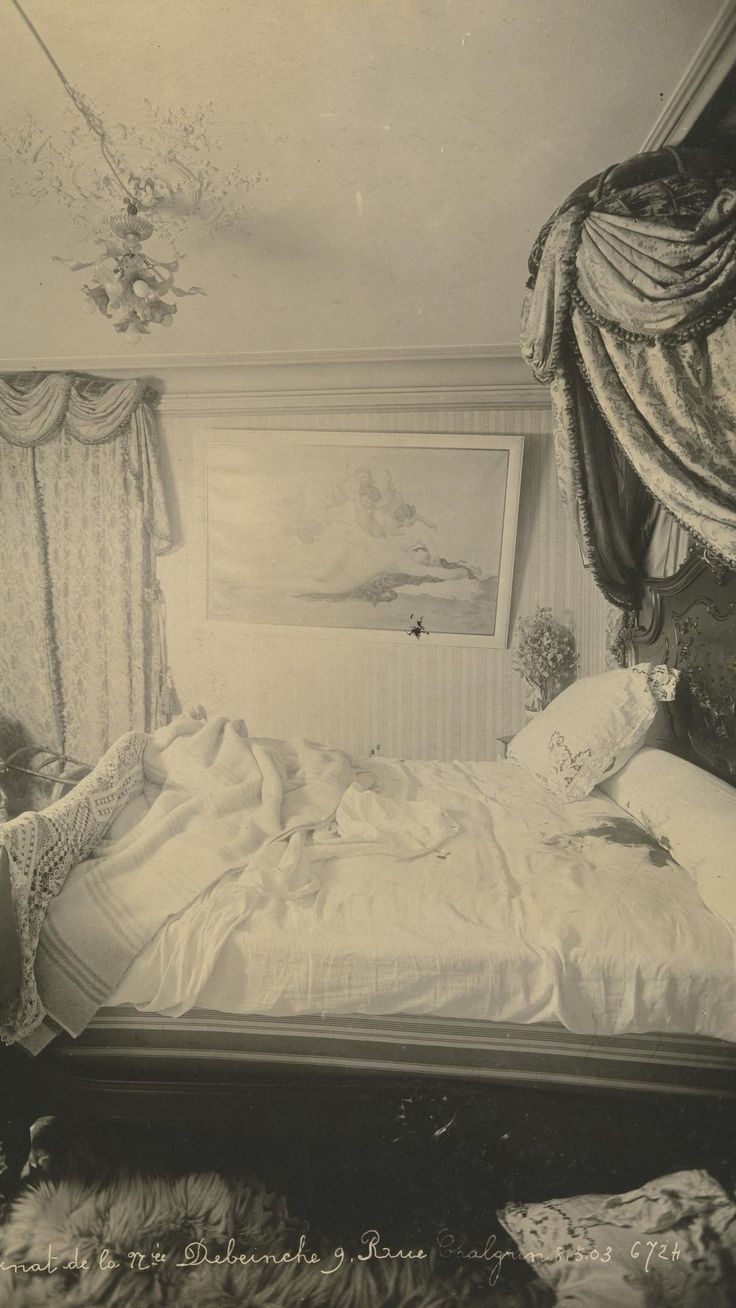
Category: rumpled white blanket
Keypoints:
(216, 806)
(536, 911)
(215, 801)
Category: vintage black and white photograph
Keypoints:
(368, 654)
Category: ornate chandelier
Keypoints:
(128, 285)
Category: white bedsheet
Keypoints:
(535, 911)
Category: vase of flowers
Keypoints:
(546, 656)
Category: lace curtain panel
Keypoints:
(83, 515)
(630, 317)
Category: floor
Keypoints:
(410, 1158)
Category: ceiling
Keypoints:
(408, 150)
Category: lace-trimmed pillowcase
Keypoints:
(592, 729)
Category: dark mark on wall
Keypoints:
(417, 628)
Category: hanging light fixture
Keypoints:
(129, 286)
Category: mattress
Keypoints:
(532, 911)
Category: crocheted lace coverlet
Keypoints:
(44, 847)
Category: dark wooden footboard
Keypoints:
(124, 1053)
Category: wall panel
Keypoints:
(417, 700)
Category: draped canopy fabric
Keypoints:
(630, 316)
(83, 514)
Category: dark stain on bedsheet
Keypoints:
(620, 831)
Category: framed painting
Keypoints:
(362, 535)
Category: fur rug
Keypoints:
(121, 1244)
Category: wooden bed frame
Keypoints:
(689, 622)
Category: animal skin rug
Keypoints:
(118, 1227)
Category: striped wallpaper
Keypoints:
(416, 700)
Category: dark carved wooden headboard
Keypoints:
(688, 621)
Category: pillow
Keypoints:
(591, 729)
(672, 1243)
(690, 813)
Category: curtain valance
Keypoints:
(92, 410)
(630, 316)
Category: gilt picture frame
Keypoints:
(361, 535)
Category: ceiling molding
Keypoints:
(258, 358)
(474, 376)
(348, 401)
(714, 58)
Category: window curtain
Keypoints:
(629, 315)
(82, 516)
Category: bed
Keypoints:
(580, 955)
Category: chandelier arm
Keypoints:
(128, 286)
(93, 122)
(113, 169)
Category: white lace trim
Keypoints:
(661, 680)
(44, 847)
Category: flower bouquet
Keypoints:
(546, 656)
